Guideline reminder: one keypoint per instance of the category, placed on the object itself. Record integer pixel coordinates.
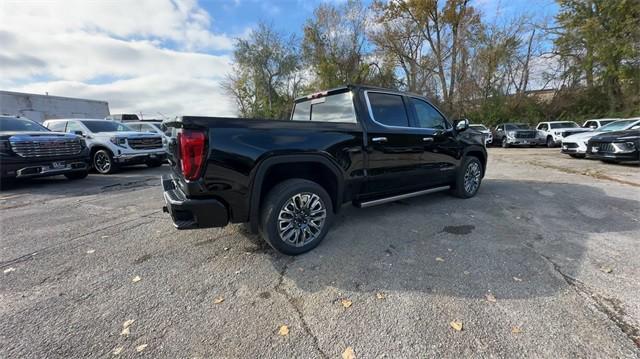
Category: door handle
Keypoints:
(379, 139)
(427, 139)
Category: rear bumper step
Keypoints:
(188, 213)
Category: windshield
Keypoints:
(163, 128)
(105, 126)
(563, 125)
(478, 127)
(618, 125)
(516, 126)
(19, 124)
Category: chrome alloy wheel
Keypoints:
(102, 162)
(301, 219)
(472, 177)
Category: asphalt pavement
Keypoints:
(543, 262)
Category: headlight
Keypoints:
(118, 141)
(511, 133)
(625, 147)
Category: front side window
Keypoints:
(105, 126)
(57, 126)
(20, 124)
(428, 116)
(73, 127)
(388, 109)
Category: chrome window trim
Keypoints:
(366, 97)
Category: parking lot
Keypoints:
(542, 262)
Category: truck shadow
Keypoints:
(515, 239)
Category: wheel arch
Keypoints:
(480, 155)
(273, 170)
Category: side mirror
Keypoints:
(461, 124)
(79, 133)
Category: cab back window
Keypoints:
(333, 108)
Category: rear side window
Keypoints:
(57, 126)
(388, 109)
(333, 108)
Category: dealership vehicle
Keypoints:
(576, 145)
(287, 179)
(515, 134)
(29, 150)
(552, 133)
(113, 144)
(152, 126)
(595, 124)
(615, 147)
(488, 136)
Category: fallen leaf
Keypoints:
(466, 272)
(380, 295)
(349, 353)
(117, 350)
(226, 248)
(91, 251)
(517, 279)
(301, 269)
(284, 330)
(141, 347)
(439, 259)
(218, 300)
(128, 323)
(606, 269)
(125, 331)
(346, 302)
(456, 324)
(9, 270)
(136, 279)
(490, 298)
(104, 237)
(414, 231)
(516, 330)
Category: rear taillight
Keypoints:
(192, 145)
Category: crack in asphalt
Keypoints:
(32, 255)
(611, 307)
(305, 326)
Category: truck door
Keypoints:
(394, 148)
(441, 148)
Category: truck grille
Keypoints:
(529, 134)
(603, 146)
(46, 148)
(145, 143)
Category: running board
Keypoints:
(376, 202)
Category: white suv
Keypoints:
(553, 132)
(113, 144)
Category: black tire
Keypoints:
(100, 166)
(504, 143)
(154, 163)
(614, 162)
(458, 188)
(576, 155)
(77, 175)
(550, 143)
(278, 198)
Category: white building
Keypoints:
(43, 107)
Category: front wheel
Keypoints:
(550, 142)
(103, 162)
(504, 143)
(468, 178)
(296, 216)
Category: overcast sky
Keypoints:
(154, 56)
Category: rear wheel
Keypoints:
(103, 162)
(468, 178)
(77, 175)
(296, 216)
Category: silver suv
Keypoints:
(113, 144)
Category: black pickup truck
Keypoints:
(287, 179)
(27, 149)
